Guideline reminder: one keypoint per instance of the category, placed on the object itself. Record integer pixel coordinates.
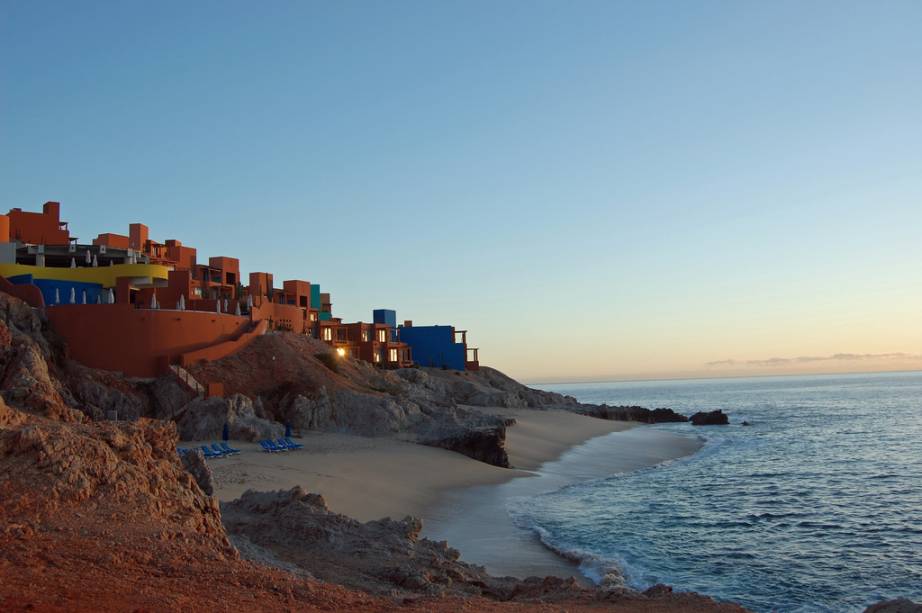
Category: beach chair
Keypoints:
(267, 447)
(209, 454)
(293, 444)
(228, 449)
(283, 444)
(275, 446)
(217, 449)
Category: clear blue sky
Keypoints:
(591, 188)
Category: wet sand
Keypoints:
(476, 521)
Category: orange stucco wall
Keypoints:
(285, 316)
(138, 341)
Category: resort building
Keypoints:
(127, 303)
(439, 346)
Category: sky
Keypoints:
(593, 189)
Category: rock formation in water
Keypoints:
(710, 418)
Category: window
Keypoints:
(377, 357)
(382, 336)
(365, 336)
(393, 355)
(328, 334)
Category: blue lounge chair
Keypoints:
(275, 446)
(292, 444)
(228, 449)
(267, 447)
(209, 454)
(281, 443)
(217, 449)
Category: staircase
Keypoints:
(186, 378)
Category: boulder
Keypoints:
(204, 419)
(663, 415)
(710, 418)
(486, 444)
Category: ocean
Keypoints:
(815, 507)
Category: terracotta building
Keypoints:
(132, 304)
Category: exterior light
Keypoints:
(340, 352)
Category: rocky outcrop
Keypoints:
(93, 510)
(630, 413)
(204, 419)
(345, 410)
(168, 397)
(103, 395)
(26, 379)
(486, 387)
(379, 556)
(710, 418)
(486, 444)
(194, 463)
(296, 529)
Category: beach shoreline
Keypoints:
(370, 478)
(458, 499)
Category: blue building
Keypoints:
(436, 346)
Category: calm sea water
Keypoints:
(815, 507)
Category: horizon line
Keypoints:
(637, 379)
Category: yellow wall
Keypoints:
(105, 275)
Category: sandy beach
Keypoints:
(459, 499)
(370, 478)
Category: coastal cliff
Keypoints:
(94, 508)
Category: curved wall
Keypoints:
(107, 276)
(138, 342)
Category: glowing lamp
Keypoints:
(340, 352)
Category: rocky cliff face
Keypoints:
(102, 516)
